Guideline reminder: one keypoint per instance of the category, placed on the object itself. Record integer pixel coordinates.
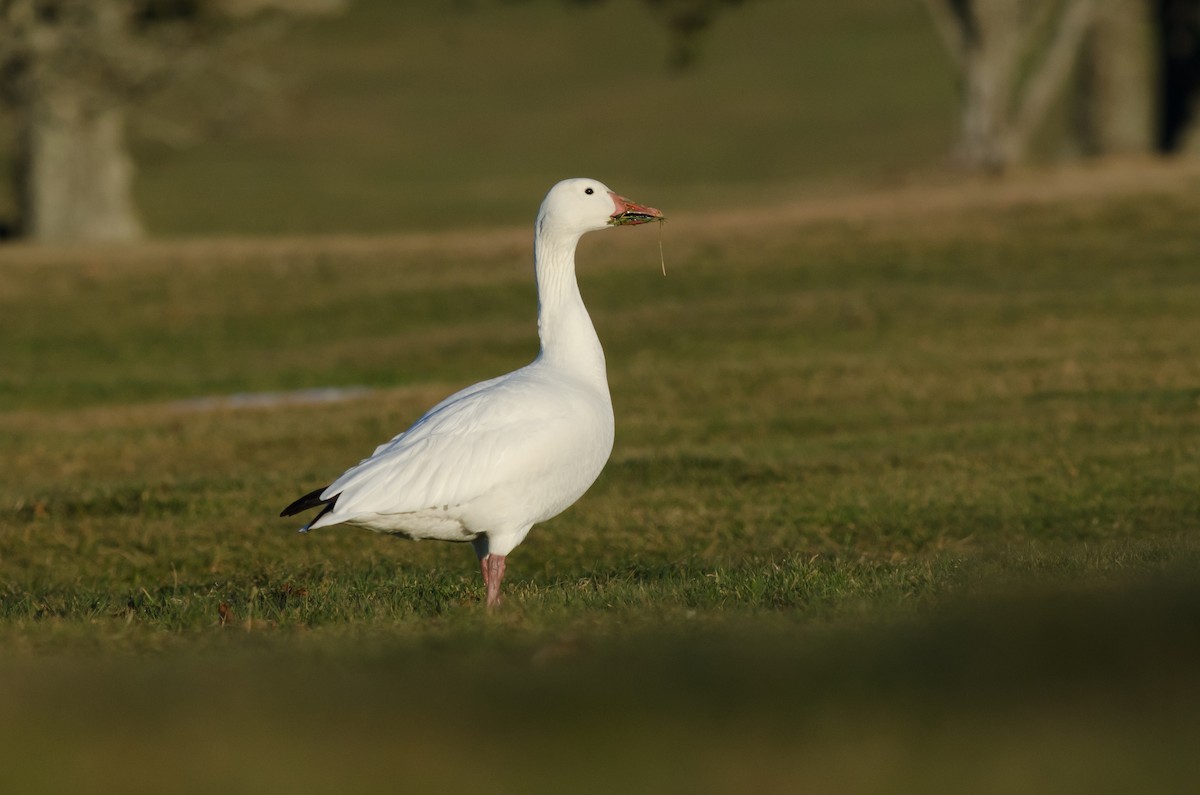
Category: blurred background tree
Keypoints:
(1178, 26)
(686, 20)
(1114, 59)
(71, 70)
(1104, 76)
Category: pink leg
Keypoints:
(492, 567)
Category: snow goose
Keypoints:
(496, 458)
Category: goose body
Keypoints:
(492, 460)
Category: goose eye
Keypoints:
(589, 191)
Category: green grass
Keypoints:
(895, 506)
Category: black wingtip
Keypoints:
(310, 500)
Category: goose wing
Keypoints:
(495, 432)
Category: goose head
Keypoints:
(575, 206)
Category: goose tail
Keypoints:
(311, 500)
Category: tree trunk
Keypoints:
(989, 40)
(1178, 24)
(1014, 57)
(983, 142)
(1114, 103)
(75, 176)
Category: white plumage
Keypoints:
(492, 460)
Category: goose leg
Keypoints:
(492, 568)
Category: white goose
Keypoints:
(492, 460)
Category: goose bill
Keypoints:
(631, 213)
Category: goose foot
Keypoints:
(492, 568)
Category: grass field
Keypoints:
(906, 484)
(411, 116)
(905, 503)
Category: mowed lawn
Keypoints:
(903, 503)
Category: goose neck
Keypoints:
(564, 326)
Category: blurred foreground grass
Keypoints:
(1050, 692)
(905, 503)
